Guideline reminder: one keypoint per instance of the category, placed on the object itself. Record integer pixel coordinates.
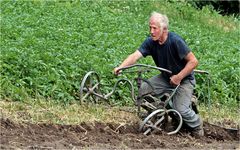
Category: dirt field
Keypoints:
(108, 136)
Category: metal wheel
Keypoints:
(174, 126)
(158, 119)
(152, 121)
(90, 88)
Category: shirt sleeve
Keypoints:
(145, 47)
(182, 48)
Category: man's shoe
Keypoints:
(198, 131)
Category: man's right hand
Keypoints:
(117, 70)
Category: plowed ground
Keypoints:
(109, 136)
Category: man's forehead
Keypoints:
(153, 22)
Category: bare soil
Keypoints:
(109, 136)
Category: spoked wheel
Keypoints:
(152, 122)
(176, 122)
(90, 88)
(158, 119)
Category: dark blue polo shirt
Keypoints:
(169, 55)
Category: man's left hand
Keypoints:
(175, 80)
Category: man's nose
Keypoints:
(151, 31)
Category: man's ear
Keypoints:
(165, 29)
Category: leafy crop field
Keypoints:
(48, 46)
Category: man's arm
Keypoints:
(130, 60)
(192, 63)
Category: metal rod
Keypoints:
(147, 66)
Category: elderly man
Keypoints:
(169, 51)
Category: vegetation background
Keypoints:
(48, 46)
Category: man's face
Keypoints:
(155, 30)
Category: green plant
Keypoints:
(48, 46)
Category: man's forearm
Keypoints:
(190, 66)
(131, 59)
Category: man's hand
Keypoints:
(117, 70)
(175, 80)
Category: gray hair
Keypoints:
(162, 20)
